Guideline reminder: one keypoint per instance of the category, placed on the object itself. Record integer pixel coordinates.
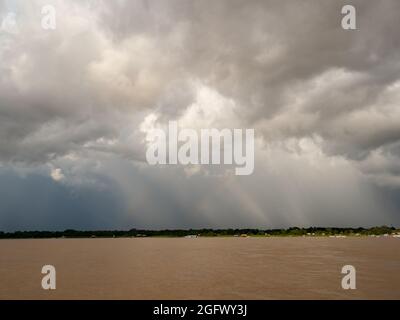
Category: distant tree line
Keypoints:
(295, 231)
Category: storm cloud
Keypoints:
(77, 102)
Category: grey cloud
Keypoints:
(256, 52)
(292, 72)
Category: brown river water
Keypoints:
(201, 268)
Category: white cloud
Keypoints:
(57, 174)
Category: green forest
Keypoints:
(294, 231)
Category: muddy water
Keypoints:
(202, 268)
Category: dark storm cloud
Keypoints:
(24, 206)
(321, 99)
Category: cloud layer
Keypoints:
(75, 104)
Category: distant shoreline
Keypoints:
(194, 233)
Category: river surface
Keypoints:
(201, 268)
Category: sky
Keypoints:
(77, 102)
